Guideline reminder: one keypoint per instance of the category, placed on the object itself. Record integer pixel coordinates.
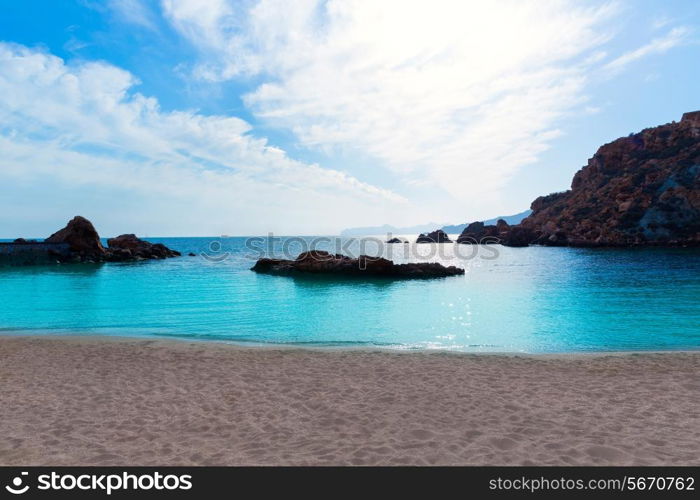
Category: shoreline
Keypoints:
(259, 345)
(100, 400)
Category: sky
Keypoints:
(190, 118)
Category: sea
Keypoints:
(513, 300)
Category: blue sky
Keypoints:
(180, 117)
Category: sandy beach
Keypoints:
(110, 401)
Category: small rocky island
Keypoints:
(80, 242)
(438, 236)
(319, 262)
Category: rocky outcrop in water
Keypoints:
(438, 236)
(80, 242)
(128, 246)
(319, 262)
(643, 189)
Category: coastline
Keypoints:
(98, 400)
(224, 343)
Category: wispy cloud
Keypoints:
(134, 12)
(673, 38)
(83, 124)
(455, 94)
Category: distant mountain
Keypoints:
(510, 219)
(425, 228)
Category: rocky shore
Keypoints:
(318, 262)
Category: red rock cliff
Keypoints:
(643, 189)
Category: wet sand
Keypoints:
(110, 401)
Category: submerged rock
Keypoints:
(319, 262)
(23, 252)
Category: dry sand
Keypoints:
(72, 400)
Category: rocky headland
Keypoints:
(319, 262)
(639, 190)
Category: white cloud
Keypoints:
(455, 94)
(83, 125)
(134, 12)
(660, 45)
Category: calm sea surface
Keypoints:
(511, 299)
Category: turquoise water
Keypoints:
(520, 300)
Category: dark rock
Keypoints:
(474, 228)
(502, 226)
(396, 240)
(119, 254)
(82, 238)
(692, 118)
(318, 262)
(137, 248)
(478, 233)
(85, 245)
(438, 236)
(518, 236)
(191, 254)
